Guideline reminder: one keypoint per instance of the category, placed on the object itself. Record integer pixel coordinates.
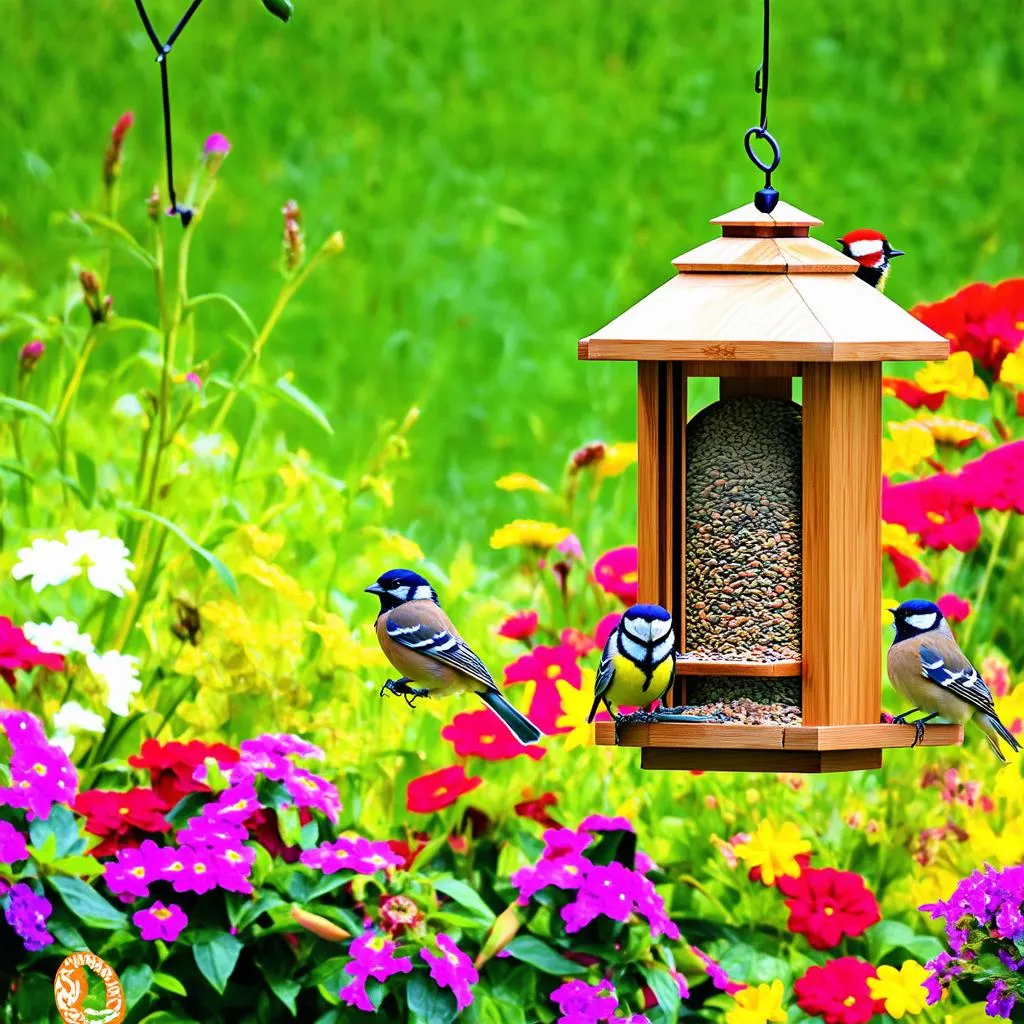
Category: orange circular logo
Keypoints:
(71, 986)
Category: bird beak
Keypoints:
(374, 588)
(892, 611)
(893, 253)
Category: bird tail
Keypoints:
(593, 710)
(518, 724)
(994, 731)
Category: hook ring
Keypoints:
(762, 133)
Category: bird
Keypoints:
(638, 666)
(872, 251)
(419, 640)
(927, 667)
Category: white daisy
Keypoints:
(72, 717)
(61, 636)
(120, 674)
(104, 559)
(47, 562)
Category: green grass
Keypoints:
(509, 176)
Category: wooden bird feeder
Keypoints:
(760, 520)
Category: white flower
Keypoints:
(58, 637)
(104, 559)
(120, 673)
(72, 717)
(48, 562)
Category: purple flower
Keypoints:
(355, 853)
(281, 744)
(233, 866)
(716, 973)
(1009, 962)
(373, 956)
(452, 969)
(580, 1003)
(1000, 1001)
(309, 790)
(12, 844)
(610, 890)
(41, 774)
(234, 806)
(187, 869)
(131, 871)
(160, 922)
(650, 905)
(216, 145)
(601, 823)
(27, 913)
(559, 842)
(565, 872)
(212, 832)
(643, 863)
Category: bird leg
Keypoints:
(902, 719)
(679, 714)
(918, 725)
(401, 688)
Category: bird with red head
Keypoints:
(872, 251)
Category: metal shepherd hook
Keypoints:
(767, 198)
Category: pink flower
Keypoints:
(373, 956)
(519, 626)
(956, 609)
(351, 853)
(160, 922)
(995, 670)
(908, 570)
(544, 666)
(18, 654)
(132, 870)
(577, 640)
(996, 479)
(217, 144)
(716, 974)
(194, 379)
(309, 790)
(27, 913)
(12, 844)
(452, 969)
(30, 354)
(188, 869)
(605, 628)
(481, 734)
(617, 573)
(41, 774)
(436, 790)
(602, 823)
(938, 509)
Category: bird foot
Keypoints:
(401, 688)
(918, 731)
(680, 714)
(902, 719)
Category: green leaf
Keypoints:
(665, 990)
(429, 1003)
(285, 988)
(46, 851)
(169, 983)
(230, 303)
(539, 954)
(86, 904)
(216, 958)
(301, 401)
(137, 981)
(10, 466)
(79, 865)
(207, 556)
(886, 936)
(163, 1017)
(26, 409)
(488, 1010)
(288, 825)
(466, 896)
(86, 478)
(282, 9)
(66, 935)
(128, 241)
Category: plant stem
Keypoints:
(993, 558)
(76, 377)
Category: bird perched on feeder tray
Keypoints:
(637, 667)
(421, 642)
(872, 251)
(927, 667)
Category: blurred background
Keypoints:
(509, 177)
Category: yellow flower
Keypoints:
(1002, 850)
(899, 539)
(758, 1005)
(521, 482)
(902, 990)
(295, 473)
(954, 377)
(1010, 787)
(263, 545)
(576, 705)
(617, 459)
(528, 533)
(380, 487)
(342, 648)
(1012, 371)
(275, 578)
(397, 544)
(774, 851)
(948, 430)
(911, 443)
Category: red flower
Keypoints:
(481, 734)
(618, 571)
(578, 641)
(996, 479)
(911, 394)
(536, 809)
(825, 904)
(121, 818)
(439, 789)
(956, 609)
(908, 570)
(604, 628)
(172, 765)
(410, 850)
(18, 654)
(519, 626)
(938, 509)
(838, 992)
(543, 666)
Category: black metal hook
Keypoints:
(767, 198)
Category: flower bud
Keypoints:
(112, 157)
(334, 244)
(153, 204)
(319, 926)
(589, 455)
(215, 148)
(294, 241)
(100, 308)
(30, 354)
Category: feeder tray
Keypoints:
(760, 520)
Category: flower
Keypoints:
(995, 479)
(717, 974)
(399, 914)
(27, 913)
(120, 674)
(904, 553)
(995, 670)
(19, 654)
(104, 559)
(41, 773)
(617, 459)
(216, 145)
(580, 1003)
(30, 354)
(519, 626)
(351, 853)
(910, 444)
(837, 992)
(132, 870)
(544, 667)
(1000, 1002)
(953, 377)
(172, 766)
(602, 823)
(12, 844)
(59, 637)
(294, 241)
(160, 922)
(910, 394)
(452, 969)
(373, 956)
(521, 482)
(825, 905)
(953, 432)
(46, 562)
(576, 639)
(535, 808)
(436, 790)
(481, 734)
(528, 533)
(758, 1005)
(605, 628)
(310, 790)
(938, 509)
(954, 608)
(617, 573)
(121, 818)
(610, 890)
(774, 851)
(587, 455)
(112, 157)
(577, 703)
(72, 718)
(902, 991)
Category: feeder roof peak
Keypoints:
(783, 216)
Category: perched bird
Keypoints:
(872, 251)
(638, 665)
(421, 642)
(928, 668)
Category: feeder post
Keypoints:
(842, 567)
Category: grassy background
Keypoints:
(509, 176)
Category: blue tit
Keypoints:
(421, 642)
(638, 665)
(928, 668)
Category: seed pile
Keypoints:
(748, 712)
(763, 690)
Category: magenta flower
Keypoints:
(132, 870)
(617, 573)
(194, 379)
(610, 890)
(233, 866)
(373, 956)
(309, 790)
(564, 872)
(27, 913)
(30, 354)
(452, 969)
(188, 869)
(716, 974)
(12, 844)
(41, 774)
(217, 145)
(955, 609)
(544, 666)
(605, 628)
(650, 905)
(234, 805)
(580, 1003)
(281, 744)
(351, 853)
(160, 922)
(602, 823)
(200, 832)
(560, 842)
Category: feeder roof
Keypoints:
(765, 291)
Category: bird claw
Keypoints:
(902, 718)
(401, 688)
(918, 732)
(673, 715)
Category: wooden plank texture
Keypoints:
(649, 458)
(733, 255)
(810, 256)
(686, 665)
(755, 384)
(842, 572)
(739, 368)
(803, 761)
(784, 215)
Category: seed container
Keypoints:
(760, 519)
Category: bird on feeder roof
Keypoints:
(872, 251)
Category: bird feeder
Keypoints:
(760, 519)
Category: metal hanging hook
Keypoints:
(767, 198)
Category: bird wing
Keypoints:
(427, 631)
(606, 670)
(950, 669)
